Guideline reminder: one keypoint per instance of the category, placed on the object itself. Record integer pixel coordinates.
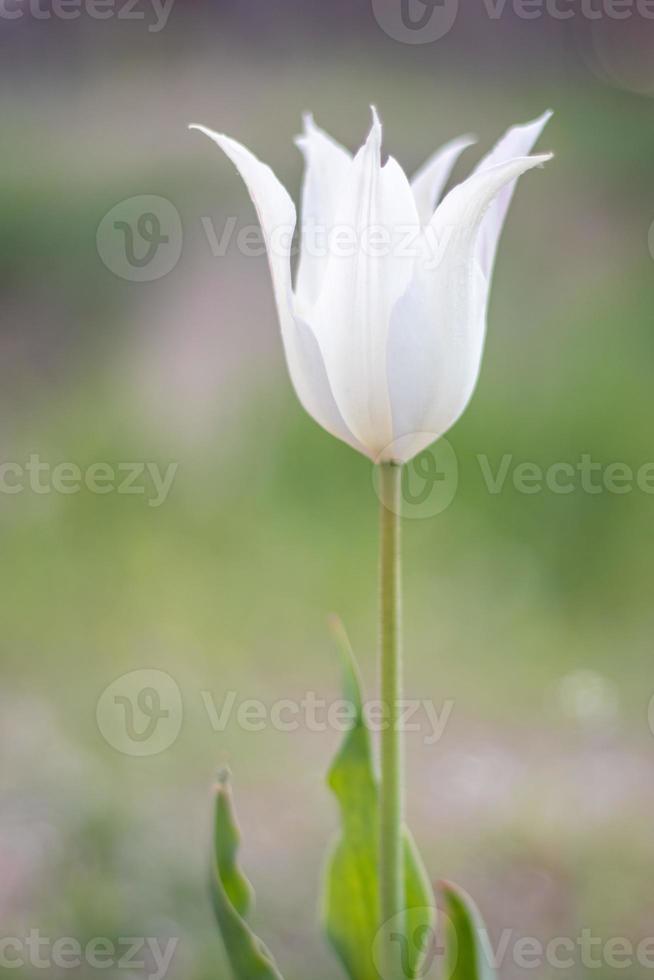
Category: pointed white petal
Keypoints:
(327, 168)
(352, 317)
(438, 326)
(274, 207)
(276, 213)
(429, 182)
(519, 141)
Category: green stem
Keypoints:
(391, 858)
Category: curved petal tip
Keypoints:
(537, 124)
(211, 133)
(309, 129)
(376, 127)
(374, 138)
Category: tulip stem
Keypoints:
(391, 858)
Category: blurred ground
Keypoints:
(531, 613)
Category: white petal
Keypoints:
(274, 207)
(327, 168)
(519, 141)
(307, 370)
(429, 182)
(276, 213)
(438, 326)
(352, 317)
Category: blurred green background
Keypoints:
(531, 613)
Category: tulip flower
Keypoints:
(384, 328)
(383, 331)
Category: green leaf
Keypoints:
(351, 900)
(232, 896)
(465, 956)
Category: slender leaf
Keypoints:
(465, 955)
(351, 900)
(232, 896)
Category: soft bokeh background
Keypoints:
(531, 613)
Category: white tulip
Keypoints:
(384, 330)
